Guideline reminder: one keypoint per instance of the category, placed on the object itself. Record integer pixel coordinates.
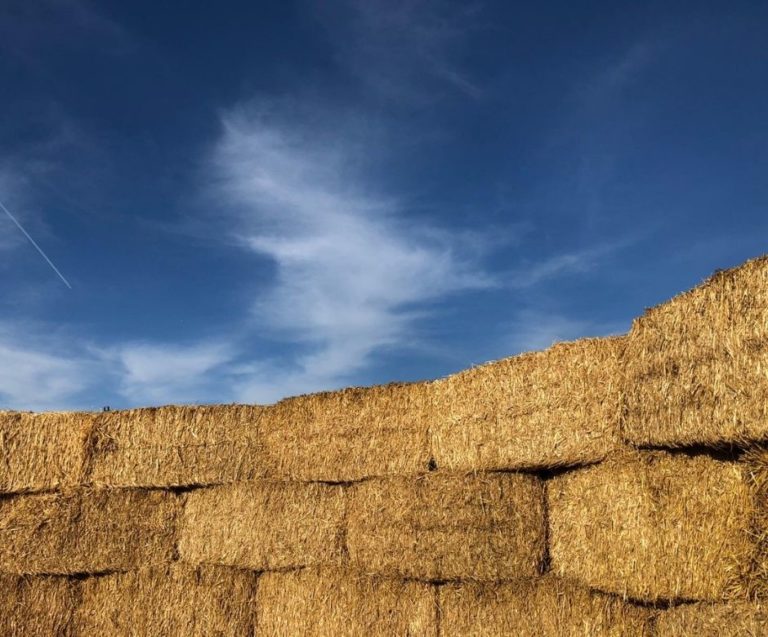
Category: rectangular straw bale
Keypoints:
(318, 603)
(448, 526)
(542, 607)
(86, 531)
(348, 435)
(264, 525)
(169, 600)
(713, 620)
(36, 606)
(697, 366)
(653, 526)
(176, 446)
(538, 410)
(41, 451)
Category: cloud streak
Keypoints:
(353, 273)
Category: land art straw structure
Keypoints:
(604, 487)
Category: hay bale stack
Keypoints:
(176, 446)
(169, 600)
(654, 526)
(448, 526)
(36, 606)
(713, 620)
(264, 525)
(697, 366)
(41, 452)
(86, 531)
(318, 603)
(544, 607)
(348, 435)
(543, 409)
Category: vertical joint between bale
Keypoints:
(546, 559)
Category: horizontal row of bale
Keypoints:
(178, 599)
(693, 371)
(648, 526)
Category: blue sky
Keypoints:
(253, 200)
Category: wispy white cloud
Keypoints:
(160, 372)
(353, 273)
(403, 48)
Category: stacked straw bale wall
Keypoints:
(604, 487)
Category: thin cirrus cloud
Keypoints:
(353, 272)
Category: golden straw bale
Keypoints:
(36, 606)
(176, 446)
(542, 607)
(653, 526)
(169, 600)
(697, 366)
(348, 435)
(538, 410)
(448, 526)
(318, 603)
(86, 531)
(713, 620)
(41, 451)
(264, 525)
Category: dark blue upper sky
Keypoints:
(252, 200)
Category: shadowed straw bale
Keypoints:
(169, 600)
(174, 446)
(41, 451)
(327, 602)
(448, 526)
(86, 531)
(697, 366)
(348, 435)
(36, 606)
(264, 525)
(543, 409)
(544, 607)
(654, 526)
(713, 620)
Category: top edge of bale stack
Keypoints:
(696, 367)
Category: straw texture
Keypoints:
(713, 620)
(654, 526)
(547, 607)
(168, 600)
(86, 531)
(176, 446)
(697, 366)
(442, 527)
(264, 525)
(36, 606)
(348, 435)
(41, 451)
(540, 410)
(320, 603)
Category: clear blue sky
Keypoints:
(258, 199)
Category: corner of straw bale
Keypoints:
(170, 599)
(448, 526)
(695, 366)
(653, 526)
(317, 603)
(264, 525)
(545, 409)
(176, 446)
(540, 607)
(40, 452)
(36, 606)
(348, 435)
(733, 619)
(86, 531)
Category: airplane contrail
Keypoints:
(37, 247)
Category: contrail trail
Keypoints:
(37, 247)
